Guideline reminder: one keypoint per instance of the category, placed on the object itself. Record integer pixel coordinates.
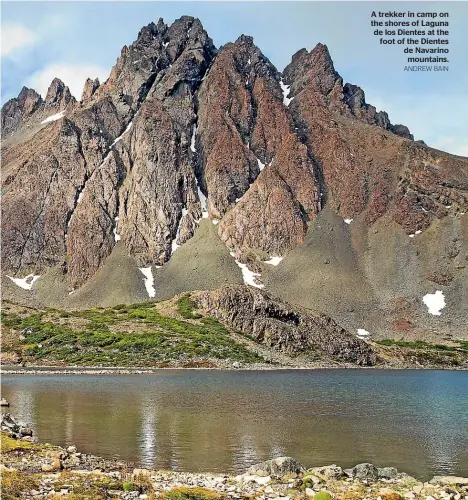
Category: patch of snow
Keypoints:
(448, 206)
(215, 222)
(247, 275)
(348, 221)
(261, 165)
(418, 231)
(71, 292)
(116, 234)
(274, 261)
(53, 118)
(80, 196)
(411, 235)
(25, 283)
(249, 61)
(434, 302)
(202, 198)
(136, 62)
(165, 44)
(129, 126)
(149, 280)
(174, 245)
(362, 334)
(192, 142)
(286, 89)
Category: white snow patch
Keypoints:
(80, 196)
(136, 62)
(165, 44)
(348, 221)
(215, 222)
(286, 89)
(418, 231)
(116, 234)
(362, 334)
(149, 280)
(192, 142)
(248, 275)
(274, 261)
(129, 126)
(261, 165)
(53, 118)
(414, 234)
(434, 302)
(202, 198)
(249, 61)
(174, 245)
(25, 283)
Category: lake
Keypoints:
(197, 420)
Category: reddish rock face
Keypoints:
(177, 121)
(369, 165)
(244, 129)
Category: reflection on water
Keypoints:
(225, 421)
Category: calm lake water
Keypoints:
(416, 421)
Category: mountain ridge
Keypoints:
(182, 131)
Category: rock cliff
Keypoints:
(182, 131)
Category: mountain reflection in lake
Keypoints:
(198, 420)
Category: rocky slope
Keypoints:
(293, 165)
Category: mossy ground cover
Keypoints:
(426, 353)
(62, 337)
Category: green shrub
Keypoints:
(322, 495)
(128, 486)
(187, 308)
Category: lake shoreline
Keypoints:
(31, 469)
(98, 370)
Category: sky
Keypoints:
(76, 40)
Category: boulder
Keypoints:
(25, 431)
(328, 472)
(387, 473)
(364, 471)
(278, 467)
(71, 450)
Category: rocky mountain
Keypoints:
(193, 167)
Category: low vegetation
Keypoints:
(184, 493)
(14, 484)
(424, 353)
(133, 335)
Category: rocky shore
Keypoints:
(32, 471)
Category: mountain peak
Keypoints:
(58, 94)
